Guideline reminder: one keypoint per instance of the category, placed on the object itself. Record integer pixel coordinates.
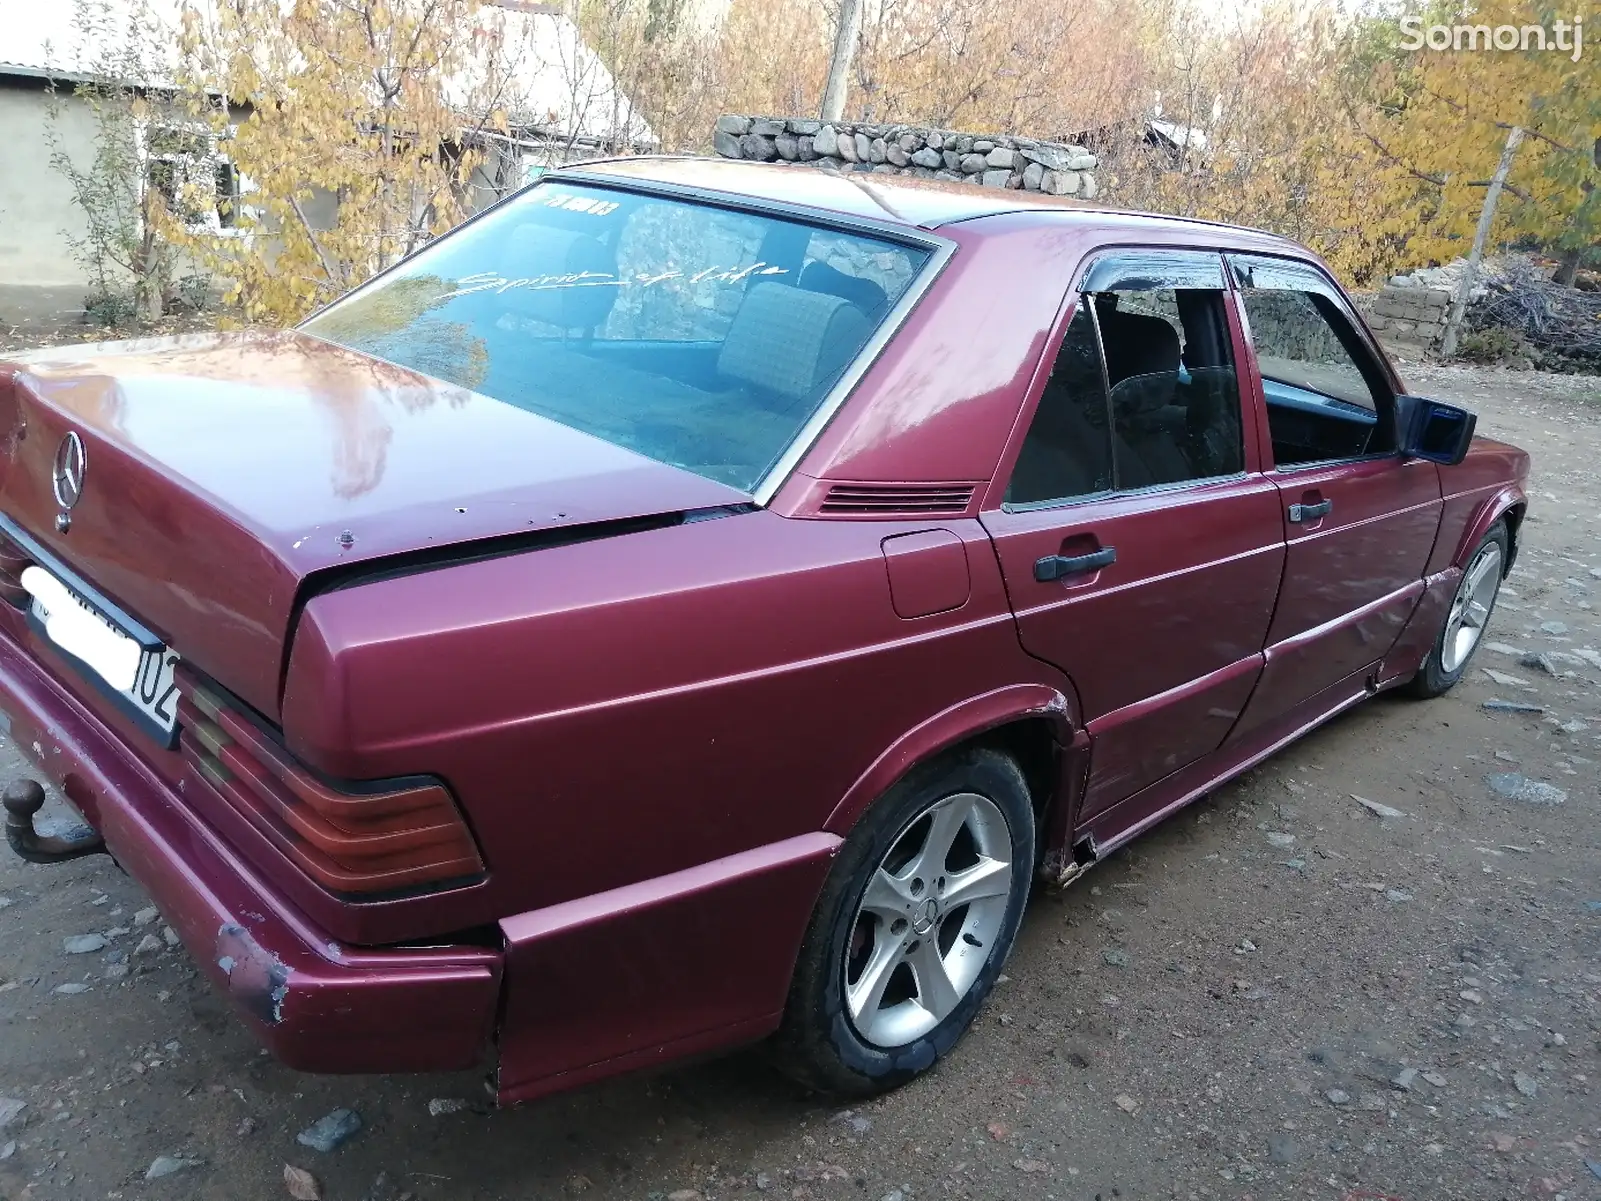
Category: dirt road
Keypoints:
(1398, 1007)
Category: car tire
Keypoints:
(977, 804)
(1463, 628)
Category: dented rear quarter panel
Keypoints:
(614, 711)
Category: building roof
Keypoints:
(533, 63)
(901, 199)
(52, 40)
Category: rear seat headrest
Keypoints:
(1137, 344)
(789, 340)
(863, 293)
(544, 255)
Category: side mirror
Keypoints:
(1434, 430)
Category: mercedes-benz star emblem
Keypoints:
(71, 463)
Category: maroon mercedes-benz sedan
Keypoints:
(693, 601)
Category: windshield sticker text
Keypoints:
(592, 205)
(493, 281)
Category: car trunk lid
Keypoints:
(222, 472)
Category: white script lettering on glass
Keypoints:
(493, 281)
(592, 205)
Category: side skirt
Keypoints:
(1132, 817)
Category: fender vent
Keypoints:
(894, 499)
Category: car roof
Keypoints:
(905, 200)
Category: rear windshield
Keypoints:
(698, 336)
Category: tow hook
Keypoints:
(24, 798)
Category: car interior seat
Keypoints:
(867, 296)
(1142, 367)
(789, 343)
(563, 277)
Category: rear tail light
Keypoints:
(13, 561)
(382, 838)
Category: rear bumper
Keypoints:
(317, 1005)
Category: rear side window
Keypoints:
(1143, 393)
(698, 336)
(1068, 450)
(1175, 403)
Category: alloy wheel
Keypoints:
(928, 920)
(1470, 610)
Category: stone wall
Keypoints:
(988, 160)
(1409, 317)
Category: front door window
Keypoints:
(1327, 399)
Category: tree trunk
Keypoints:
(149, 284)
(839, 66)
(1470, 274)
(1568, 267)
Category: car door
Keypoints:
(1360, 520)
(1140, 543)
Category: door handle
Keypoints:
(1056, 567)
(1304, 513)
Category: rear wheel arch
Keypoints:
(1031, 723)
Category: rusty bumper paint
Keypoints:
(317, 1005)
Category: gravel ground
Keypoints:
(1275, 994)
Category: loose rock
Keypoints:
(331, 1131)
(84, 944)
(1404, 1078)
(11, 1111)
(1375, 808)
(71, 989)
(1517, 787)
(440, 1106)
(1338, 1096)
(1526, 1084)
(1499, 706)
(167, 1165)
(1280, 839)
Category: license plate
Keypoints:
(139, 677)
